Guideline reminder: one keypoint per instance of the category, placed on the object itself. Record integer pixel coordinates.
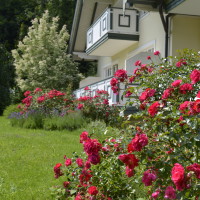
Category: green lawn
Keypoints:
(27, 159)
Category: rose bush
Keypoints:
(53, 107)
(158, 146)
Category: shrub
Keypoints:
(70, 121)
(10, 109)
(48, 65)
(60, 110)
(157, 153)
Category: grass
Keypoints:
(27, 159)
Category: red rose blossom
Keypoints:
(41, 99)
(146, 94)
(113, 82)
(129, 160)
(195, 76)
(84, 136)
(138, 142)
(170, 193)
(93, 190)
(178, 176)
(121, 74)
(148, 178)
(148, 57)
(92, 146)
(156, 53)
(153, 109)
(68, 162)
(155, 194)
(27, 93)
(79, 162)
(66, 184)
(198, 94)
(185, 88)
(195, 168)
(176, 83)
(57, 170)
(86, 88)
(37, 90)
(167, 93)
(80, 106)
(94, 159)
(138, 63)
(129, 172)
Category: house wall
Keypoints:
(151, 29)
(185, 33)
(152, 36)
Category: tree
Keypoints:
(5, 77)
(41, 59)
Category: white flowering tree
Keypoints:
(41, 59)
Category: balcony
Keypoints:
(113, 32)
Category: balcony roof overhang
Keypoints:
(118, 42)
(186, 7)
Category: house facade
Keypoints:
(116, 33)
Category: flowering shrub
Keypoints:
(167, 125)
(97, 107)
(103, 172)
(53, 108)
(159, 147)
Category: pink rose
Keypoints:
(138, 63)
(156, 53)
(178, 176)
(37, 90)
(148, 57)
(27, 93)
(185, 88)
(195, 168)
(129, 172)
(167, 93)
(148, 178)
(113, 82)
(138, 142)
(94, 159)
(155, 194)
(176, 83)
(68, 162)
(92, 146)
(86, 88)
(84, 136)
(195, 76)
(79, 162)
(170, 193)
(80, 106)
(121, 74)
(129, 160)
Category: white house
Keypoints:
(117, 33)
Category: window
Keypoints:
(110, 71)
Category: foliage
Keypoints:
(5, 77)
(98, 168)
(48, 65)
(16, 16)
(97, 107)
(156, 155)
(10, 109)
(73, 120)
(52, 110)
